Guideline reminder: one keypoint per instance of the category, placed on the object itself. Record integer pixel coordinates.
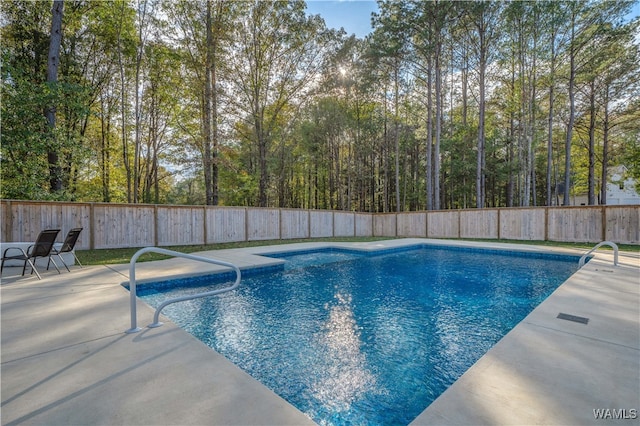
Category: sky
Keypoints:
(635, 10)
(352, 15)
(355, 15)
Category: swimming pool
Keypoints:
(359, 338)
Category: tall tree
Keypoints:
(620, 80)
(53, 62)
(389, 44)
(144, 16)
(203, 29)
(554, 17)
(25, 43)
(483, 16)
(125, 50)
(278, 54)
(579, 23)
(440, 13)
(211, 104)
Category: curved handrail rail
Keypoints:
(133, 291)
(597, 246)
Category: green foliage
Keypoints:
(308, 117)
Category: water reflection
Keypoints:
(345, 374)
(233, 325)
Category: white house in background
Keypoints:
(621, 190)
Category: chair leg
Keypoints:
(77, 260)
(33, 268)
(63, 262)
(54, 264)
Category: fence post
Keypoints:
(395, 224)
(155, 225)
(205, 226)
(7, 222)
(372, 225)
(92, 221)
(426, 223)
(333, 223)
(354, 225)
(246, 224)
(546, 223)
(604, 223)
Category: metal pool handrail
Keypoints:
(597, 246)
(132, 283)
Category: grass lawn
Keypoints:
(115, 256)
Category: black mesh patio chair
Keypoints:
(67, 247)
(41, 248)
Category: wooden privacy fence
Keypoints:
(139, 225)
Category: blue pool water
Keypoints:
(361, 339)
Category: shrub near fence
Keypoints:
(139, 225)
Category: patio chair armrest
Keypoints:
(4, 254)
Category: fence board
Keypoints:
(294, 224)
(263, 224)
(180, 226)
(226, 224)
(571, 224)
(77, 216)
(481, 223)
(122, 225)
(30, 218)
(321, 223)
(27, 219)
(364, 224)
(119, 225)
(522, 224)
(5, 221)
(413, 224)
(443, 224)
(384, 225)
(623, 224)
(343, 224)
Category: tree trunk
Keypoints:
(605, 150)
(123, 109)
(208, 111)
(465, 114)
(137, 172)
(592, 145)
(396, 130)
(53, 61)
(105, 151)
(550, 145)
(429, 152)
(550, 130)
(436, 151)
(572, 113)
(480, 173)
(262, 161)
(512, 135)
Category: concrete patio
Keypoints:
(66, 359)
